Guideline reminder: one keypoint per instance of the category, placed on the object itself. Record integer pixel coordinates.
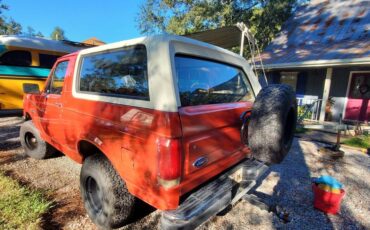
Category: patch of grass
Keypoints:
(300, 129)
(20, 207)
(359, 141)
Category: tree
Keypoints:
(263, 17)
(8, 26)
(58, 34)
(31, 32)
(40, 35)
(12, 28)
(3, 22)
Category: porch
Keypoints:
(350, 129)
(328, 94)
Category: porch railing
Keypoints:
(308, 109)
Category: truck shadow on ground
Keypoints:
(288, 185)
(62, 210)
(9, 137)
(293, 190)
(9, 141)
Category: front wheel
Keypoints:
(34, 146)
(106, 198)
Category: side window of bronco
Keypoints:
(58, 76)
(118, 73)
(203, 82)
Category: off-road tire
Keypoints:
(272, 123)
(37, 148)
(116, 205)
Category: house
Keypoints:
(93, 41)
(323, 52)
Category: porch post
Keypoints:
(325, 95)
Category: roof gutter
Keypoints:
(319, 63)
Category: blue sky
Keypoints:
(109, 20)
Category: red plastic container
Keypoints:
(326, 201)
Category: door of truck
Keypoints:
(52, 104)
(213, 96)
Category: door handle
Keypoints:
(58, 104)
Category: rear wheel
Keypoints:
(272, 123)
(34, 146)
(106, 198)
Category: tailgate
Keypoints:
(210, 133)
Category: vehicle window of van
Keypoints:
(16, 58)
(58, 77)
(204, 82)
(120, 73)
(47, 60)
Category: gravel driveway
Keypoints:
(287, 184)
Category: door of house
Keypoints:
(358, 105)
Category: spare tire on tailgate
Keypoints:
(272, 123)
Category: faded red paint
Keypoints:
(128, 136)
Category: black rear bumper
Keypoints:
(214, 196)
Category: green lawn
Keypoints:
(20, 207)
(300, 130)
(359, 141)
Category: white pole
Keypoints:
(325, 95)
(242, 43)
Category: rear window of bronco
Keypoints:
(204, 82)
(121, 73)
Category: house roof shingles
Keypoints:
(331, 32)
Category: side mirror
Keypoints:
(31, 88)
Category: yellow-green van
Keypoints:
(26, 62)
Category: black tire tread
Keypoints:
(123, 202)
(266, 126)
(44, 150)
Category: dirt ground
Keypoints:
(287, 184)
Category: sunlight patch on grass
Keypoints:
(300, 130)
(359, 141)
(20, 207)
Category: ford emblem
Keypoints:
(200, 162)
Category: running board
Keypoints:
(214, 196)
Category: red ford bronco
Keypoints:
(177, 123)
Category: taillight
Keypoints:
(169, 161)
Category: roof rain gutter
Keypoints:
(319, 63)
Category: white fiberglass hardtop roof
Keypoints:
(158, 41)
(162, 80)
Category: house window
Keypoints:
(289, 78)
